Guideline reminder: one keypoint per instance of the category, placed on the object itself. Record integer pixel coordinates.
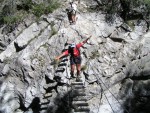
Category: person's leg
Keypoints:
(73, 18)
(78, 69)
(78, 1)
(72, 64)
(78, 79)
(72, 70)
(69, 17)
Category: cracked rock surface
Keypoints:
(115, 65)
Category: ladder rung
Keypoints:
(79, 99)
(82, 109)
(44, 101)
(50, 85)
(78, 86)
(80, 94)
(78, 90)
(77, 83)
(47, 95)
(44, 106)
(80, 103)
(82, 112)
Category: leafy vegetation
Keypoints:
(52, 6)
(9, 14)
(11, 19)
(38, 9)
(83, 67)
(94, 55)
(53, 30)
(55, 63)
(131, 24)
(125, 8)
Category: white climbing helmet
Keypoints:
(72, 45)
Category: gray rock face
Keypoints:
(115, 65)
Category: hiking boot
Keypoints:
(71, 23)
(74, 23)
(78, 79)
(72, 76)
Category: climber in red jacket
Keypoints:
(75, 57)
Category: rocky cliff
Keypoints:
(115, 64)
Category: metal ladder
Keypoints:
(79, 103)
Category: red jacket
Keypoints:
(76, 51)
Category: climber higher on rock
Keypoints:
(75, 57)
(71, 11)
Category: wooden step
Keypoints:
(44, 101)
(78, 87)
(44, 106)
(46, 86)
(79, 80)
(79, 98)
(79, 90)
(82, 109)
(77, 83)
(79, 103)
(79, 94)
(82, 112)
(47, 95)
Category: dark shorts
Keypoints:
(75, 60)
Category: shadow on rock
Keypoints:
(35, 105)
(62, 104)
(139, 101)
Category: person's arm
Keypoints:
(82, 43)
(85, 41)
(63, 54)
(58, 57)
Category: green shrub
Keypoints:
(83, 68)
(53, 31)
(94, 55)
(52, 6)
(9, 13)
(128, 9)
(147, 2)
(27, 3)
(11, 19)
(38, 9)
(1, 19)
(6, 10)
(55, 63)
(131, 24)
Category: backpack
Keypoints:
(75, 52)
(71, 9)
